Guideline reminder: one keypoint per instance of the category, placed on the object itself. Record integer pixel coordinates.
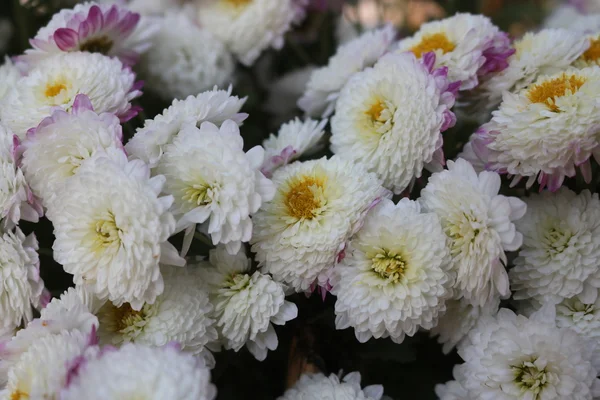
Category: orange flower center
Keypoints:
(303, 198)
(433, 42)
(547, 92)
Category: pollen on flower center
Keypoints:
(529, 377)
(18, 395)
(547, 92)
(304, 197)
(54, 89)
(376, 110)
(593, 52)
(390, 266)
(100, 45)
(432, 42)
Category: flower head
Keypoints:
(246, 304)
(318, 205)
(390, 118)
(56, 82)
(319, 386)
(111, 229)
(9, 75)
(395, 277)
(325, 84)
(480, 225)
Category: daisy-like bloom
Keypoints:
(180, 314)
(54, 150)
(510, 356)
(43, 370)
(294, 139)
(9, 75)
(325, 84)
(234, 22)
(395, 277)
(210, 177)
(546, 131)
(318, 205)
(56, 81)
(561, 248)
(480, 225)
(185, 61)
(471, 46)
(460, 317)
(16, 199)
(108, 29)
(590, 57)
(214, 106)
(111, 229)
(390, 118)
(142, 372)
(246, 304)
(319, 386)
(537, 53)
(20, 282)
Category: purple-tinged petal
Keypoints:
(586, 171)
(128, 23)
(129, 114)
(95, 19)
(45, 298)
(111, 17)
(81, 103)
(428, 60)
(66, 39)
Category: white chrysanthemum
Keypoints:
(468, 153)
(20, 282)
(185, 61)
(561, 248)
(537, 53)
(317, 206)
(16, 199)
(295, 138)
(325, 84)
(54, 150)
(234, 22)
(458, 320)
(246, 305)
(180, 314)
(480, 225)
(135, 371)
(470, 46)
(591, 57)
(319, 386)
(43, 370)
(390, 118)
(395, 277)
(56, 81)
(514, 357)
(569, 17)
(214, 106)
(73, 310)
(212, 179)
(452, 390)
(545, 131)
(9, 75)
(111, 229)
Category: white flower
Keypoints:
(9, 75)
(295, 139)
(325, 84)
(16, 199)
(469, 45)
(546, 130)
(210, 177)
(20, 282)
(452, 390)
(108, 29)
(43, 370)
(317, 206)
(143, 372)
(390, 118)
(468, 153)
(537, 53)
(73, 310)
(512, 357)
(185, 61)
(56, 81)
(480, 225)
(561, 247)
(319, 386)
(571, 18)
(111, 229)
(591, 57)
(54, 150)
(180, 314)
(395, 277)
(214, 106)
(458, 320)
(246, 305)
(248, 27)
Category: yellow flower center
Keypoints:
(593, 53)
(529, 377)
(100, 45)
(123, 317)
(54, 89)
(18, 395)
(304, 197)
(433, 42)
(547, 92)
(198, 194)
(107, 233)
(237, 3)
(375, 111)
(389, 266)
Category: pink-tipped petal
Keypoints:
(66, 39)
(81, 103)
